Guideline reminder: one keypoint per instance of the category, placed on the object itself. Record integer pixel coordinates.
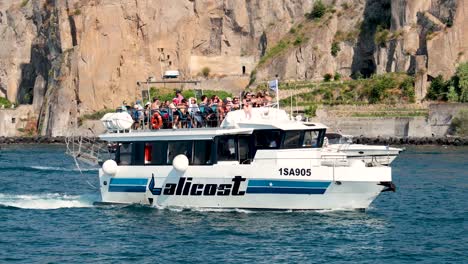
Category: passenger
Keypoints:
(260, 99)
(137, 115)
(124, 106)
(172, 110)
(194, 112)
(166, 114)
(235, 103)
(182, 118)
(220, 113)
(228, 106)
(155, 104)
(147, 112)
(203, 111)
(178, 96)
(268, 98)
(247, 105)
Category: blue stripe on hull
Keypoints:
(127, 188)
(288, 184)
(129, 181)
(263, 190)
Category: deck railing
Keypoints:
(181, 117)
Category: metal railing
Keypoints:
(181, 116)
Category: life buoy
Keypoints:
(156, 121)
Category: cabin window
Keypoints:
(201, 152)
(178, 147)
(244, 149)
(227, 148)
(156, 153)
(267, 139)
(138, 153)
(311, 139)
(124, 154)
(292, 139)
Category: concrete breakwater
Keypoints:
(450, 141)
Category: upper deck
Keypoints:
(239, 122)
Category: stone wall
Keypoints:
(14, 121)
(437, 124)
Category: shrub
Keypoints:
(4, 102)
(24, 3)
(274, 51)
(452, 95)
(298, 41)
(253, 77)
(292, 30)
(437, 89)
(327, 77)
(337, 76)
(462, 76)
(206, 72)
(378, 89)
(335, 48)
(318, 10)
(459, 125)
(382, 36)
(407, 87)
(311, 110)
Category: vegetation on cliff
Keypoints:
(453, 90)
(459, 124)
(4, 102)
(390, 88)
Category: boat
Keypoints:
(339, 143)
(256, 159)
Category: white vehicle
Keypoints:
(337, 142)
(255, 160)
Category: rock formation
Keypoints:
(72, 57)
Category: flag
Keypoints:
(273, 85)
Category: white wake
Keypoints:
(45, 201)
(46, 168)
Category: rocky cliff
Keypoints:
(71, 57)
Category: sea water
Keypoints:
(47, 216)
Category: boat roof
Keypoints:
(174, 134)
(266, 118)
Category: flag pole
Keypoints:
(277, 93)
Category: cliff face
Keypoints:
(71, 57)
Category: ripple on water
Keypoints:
(47, 212)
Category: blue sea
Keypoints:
(47, 216)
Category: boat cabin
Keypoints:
(210, 146)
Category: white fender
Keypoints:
(180, 163)
(110, 167)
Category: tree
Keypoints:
(462, 75)
(437, 89)
(452, 95)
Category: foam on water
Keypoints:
(46, 168)
(45, 201)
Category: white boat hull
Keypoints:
(250, 186)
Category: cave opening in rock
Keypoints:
(243, 70)
(377, 18)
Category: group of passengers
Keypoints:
(190, 113)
